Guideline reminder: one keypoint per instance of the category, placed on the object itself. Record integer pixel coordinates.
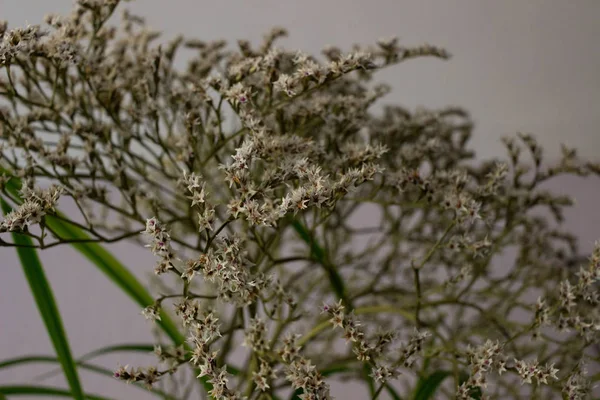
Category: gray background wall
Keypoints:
(518, 65)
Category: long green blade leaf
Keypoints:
(43, 391)
(127, 347)
(142, 348)
(426, 387)
(392, 392)
(115, 270)
(369, 381)
(335, 280)
(119, 274)
(133, 347)
(13, 362)
(108, 264)
(44, 299)
(105, 262)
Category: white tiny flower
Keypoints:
(151, 313)
(285, 84)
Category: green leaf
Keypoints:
(42, 293)
(127, 347)
(132, 347)
(296, 394)
(144, 348)
(474, 392)
(120, 275)
(114, 269)
(335, 280)
(108, 264)
(43, 391)
(334, 369)
(392, 392)
(368, 379)
(427, 386)
(104, 260)
(13, 362)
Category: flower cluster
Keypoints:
(152, 313)
(576, 305)
(268, 183)
(529, 370)
(36, 204)
(577, 386)
(372, 352)
(203, 331)
(197, 195)
(482, 361)
(172, 356)
(264, 375)
(148, 376)
(303, 375)
(256, 339)
(414, 346)
(226, 266)
(160, 245)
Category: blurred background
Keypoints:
(518, 66)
